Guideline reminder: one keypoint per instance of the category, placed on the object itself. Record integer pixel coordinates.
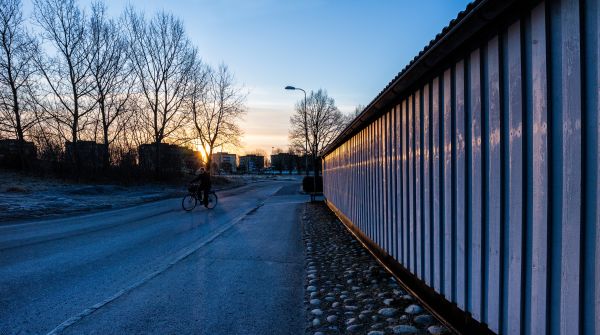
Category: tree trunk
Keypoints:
(209, 160)
(20, 135)
(17, 112)
(74, 149)
(208, 165)
(157, 171)
(105, 154)
(315, 172)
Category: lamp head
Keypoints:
(290, 88)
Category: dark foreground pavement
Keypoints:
(154, 269)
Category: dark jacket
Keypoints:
(204, 180)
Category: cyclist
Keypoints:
(204, 185)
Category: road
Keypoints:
(155, 269)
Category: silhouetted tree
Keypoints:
(163, 59)
(216, 109)
(324, 122)
(17, 68)
(357, 110)
(67, 72)
(111, 74)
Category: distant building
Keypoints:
(252, 163)
(89, 153)
(9, 153)
(223, 161)
(174, 159)
(284, 161)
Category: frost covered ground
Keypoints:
(24, 197)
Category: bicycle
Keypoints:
(191, 199)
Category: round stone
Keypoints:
(377, 325)
(388, 301)
(330, 298)
(316, 322)
(413, 309)
(351, 321)
(388, 311)
(313, 294)
(335, 304)
(424, 319)
(351, 308)
(385, 295)
(404, 329)
(315, 301)
(375, 332)
(437, 330)
(332, 318)
(354, 328)
(311, 288)
(317, 312)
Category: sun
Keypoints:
(202, 149)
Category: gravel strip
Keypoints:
(347, 291)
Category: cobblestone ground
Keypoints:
(347, 291)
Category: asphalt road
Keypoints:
(155, 269)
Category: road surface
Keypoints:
(156, 269)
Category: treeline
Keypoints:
(70, 76)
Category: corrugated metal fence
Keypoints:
(482, 181)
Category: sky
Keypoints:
(351, 48)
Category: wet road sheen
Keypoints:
(156, 269)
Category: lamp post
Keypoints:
(305, 128)
(306, 143)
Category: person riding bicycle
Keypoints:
(203, 182)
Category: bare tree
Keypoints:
(356, 112)
(324, 122)
(111, 74)
(163, 60)
(16, 71)
(217, 109)
(67, 74)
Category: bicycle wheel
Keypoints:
(212, 200)
(189, 202)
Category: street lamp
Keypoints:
(305, 128)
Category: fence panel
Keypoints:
(479, 177)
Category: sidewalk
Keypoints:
(347, 291)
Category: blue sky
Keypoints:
(350, 48)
